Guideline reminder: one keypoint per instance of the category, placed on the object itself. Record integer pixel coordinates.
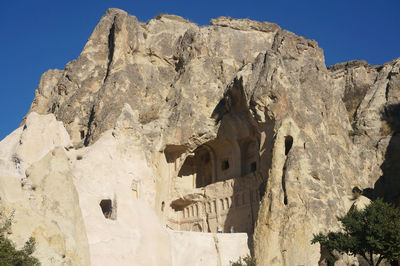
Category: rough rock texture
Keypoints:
(170, 70)
(248, 99)
(57, 199)
(37, 184)
(372, 98)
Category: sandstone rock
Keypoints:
(207, 249)
(375, 120)
(360, 203)
(48, 209)
(236, 125)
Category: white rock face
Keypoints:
(205, 249)
(38, 136)
(59, 202)
(43, 196)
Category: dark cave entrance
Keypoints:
(107, 209)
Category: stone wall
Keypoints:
(205, 249)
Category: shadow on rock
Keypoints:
(388, 185)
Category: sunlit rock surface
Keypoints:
(166, 143)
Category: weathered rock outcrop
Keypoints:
(235, 125)
(371, 95)
(37, 185)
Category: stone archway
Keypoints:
(249, 156)
(197, 228)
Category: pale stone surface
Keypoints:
(47, 209)
(170, 118)
(58, 203)
(360, 203)
(29, 143)
(204, 249)
(36, 183)
(374, 97)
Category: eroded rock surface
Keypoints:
(237, 126)
(36, 184)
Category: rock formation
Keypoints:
(165, 127)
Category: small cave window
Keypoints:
(162, 206)
(253, 166)
(197, 228)
(82, 134)
(107, 209)
(288, 144)
(206, 158)
(225, 165)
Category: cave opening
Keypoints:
(211, 162)
(288, 144)
(107, 209)
(225, 165)
(253, 167)
(82, 133)
(216, 186)
(249, 156)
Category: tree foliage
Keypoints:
(246, 261)
(373, 233)
(9, 254)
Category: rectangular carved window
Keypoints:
(225, 165)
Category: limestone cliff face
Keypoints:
(371, 95)
(36, 184)
(168, 69)
(235, 125)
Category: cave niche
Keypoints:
(109, 211)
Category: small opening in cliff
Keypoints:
(285, 200)
(225, 165)
(253, 167)
(288, 144)
(197, 228)
(249, 157)
(162, 206)
(107, 209)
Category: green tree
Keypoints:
(9, 255)
(373, 233)
(246, 261)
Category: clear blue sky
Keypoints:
(39, 35)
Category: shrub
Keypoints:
(246, 261)
(355, 132)
(372, 232)
(9, 255)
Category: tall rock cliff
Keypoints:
(237, 126)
